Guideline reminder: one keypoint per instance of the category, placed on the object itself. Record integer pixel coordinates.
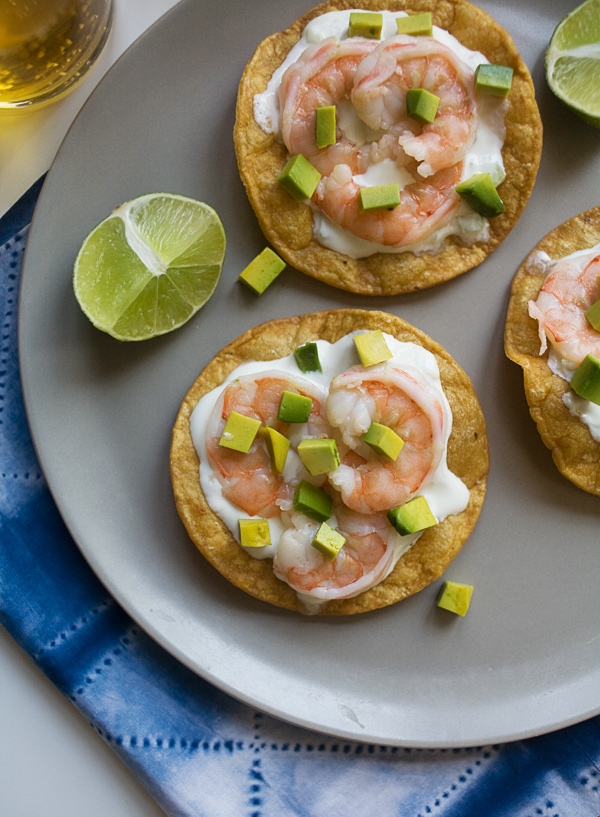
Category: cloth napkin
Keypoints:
(199, 752)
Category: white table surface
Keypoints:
(51, 761)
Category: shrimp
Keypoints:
(323, 76)
(401, 63)
(364, 560)
(425, 206)
(401, 399)
(367, 81)
(567, 292)
(248, 480)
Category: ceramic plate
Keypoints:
(526, 658)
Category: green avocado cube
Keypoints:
(299, 177)
(262, 271)
(365, 24)
(422, 105)
(325, 126)
(294, 408)
(328, 541)
(415, 25)
(495, 80)
(372, 347)
(593, 315)
(239, 432)
(254, 533)
(379, 197)
(479, 191)
(384, 440)
(455, 597)
(307, 357)
(411, 517)
(278, 445)
(319, 456)
(586, 379)
(312, 501)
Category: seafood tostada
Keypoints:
(553, 332)
(389, 149)
(330, 463)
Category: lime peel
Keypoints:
(573, 61)
(149, 266)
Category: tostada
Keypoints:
(330, 463)
(553, 332)
(388, 149)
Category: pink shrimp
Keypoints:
(569, 289)
(379, 96)
(364, 559)
(248, 480)
(426, 205)
(401, 399)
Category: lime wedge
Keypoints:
(149, 266)
(573, 61)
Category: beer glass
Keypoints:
(46, 46)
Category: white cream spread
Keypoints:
(446, 494)
(584, 410)
(483, 156)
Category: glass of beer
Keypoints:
(46, 46)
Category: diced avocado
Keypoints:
(593, 315)
(294, 408)
(278, 446)
(586, 379)
(412, 517)
(372, 347)
(299, 177)
(493, 79)
(415, 24)
(481, 195)
(455, 597)
(262, 271)
(384, 440)
(325, 127)
(307, 357)
(365, 24)
(328, 541)
(379, 197)
(319, 456)
(254, 533)
(239, 432)
(312, 501)
(422, 105)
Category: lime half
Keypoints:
(149, 266)
(573, 61)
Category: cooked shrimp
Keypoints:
(426, 205)
(401, 63)
(363, 561)
(248, 480)
(567, 292)
(401, 399)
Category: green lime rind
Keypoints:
(149, 266)
(573, 61)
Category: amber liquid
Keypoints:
(46, 46)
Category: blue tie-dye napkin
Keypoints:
(199, 752)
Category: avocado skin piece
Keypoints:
(312, 501)
(479, 191)
(586, 380)
(411, 517)
(307, 357)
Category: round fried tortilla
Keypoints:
(433, 551)
(574, 451)
(287, 224)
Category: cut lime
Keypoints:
(573, 61)
(149, 266)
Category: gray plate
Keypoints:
(526, 658)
